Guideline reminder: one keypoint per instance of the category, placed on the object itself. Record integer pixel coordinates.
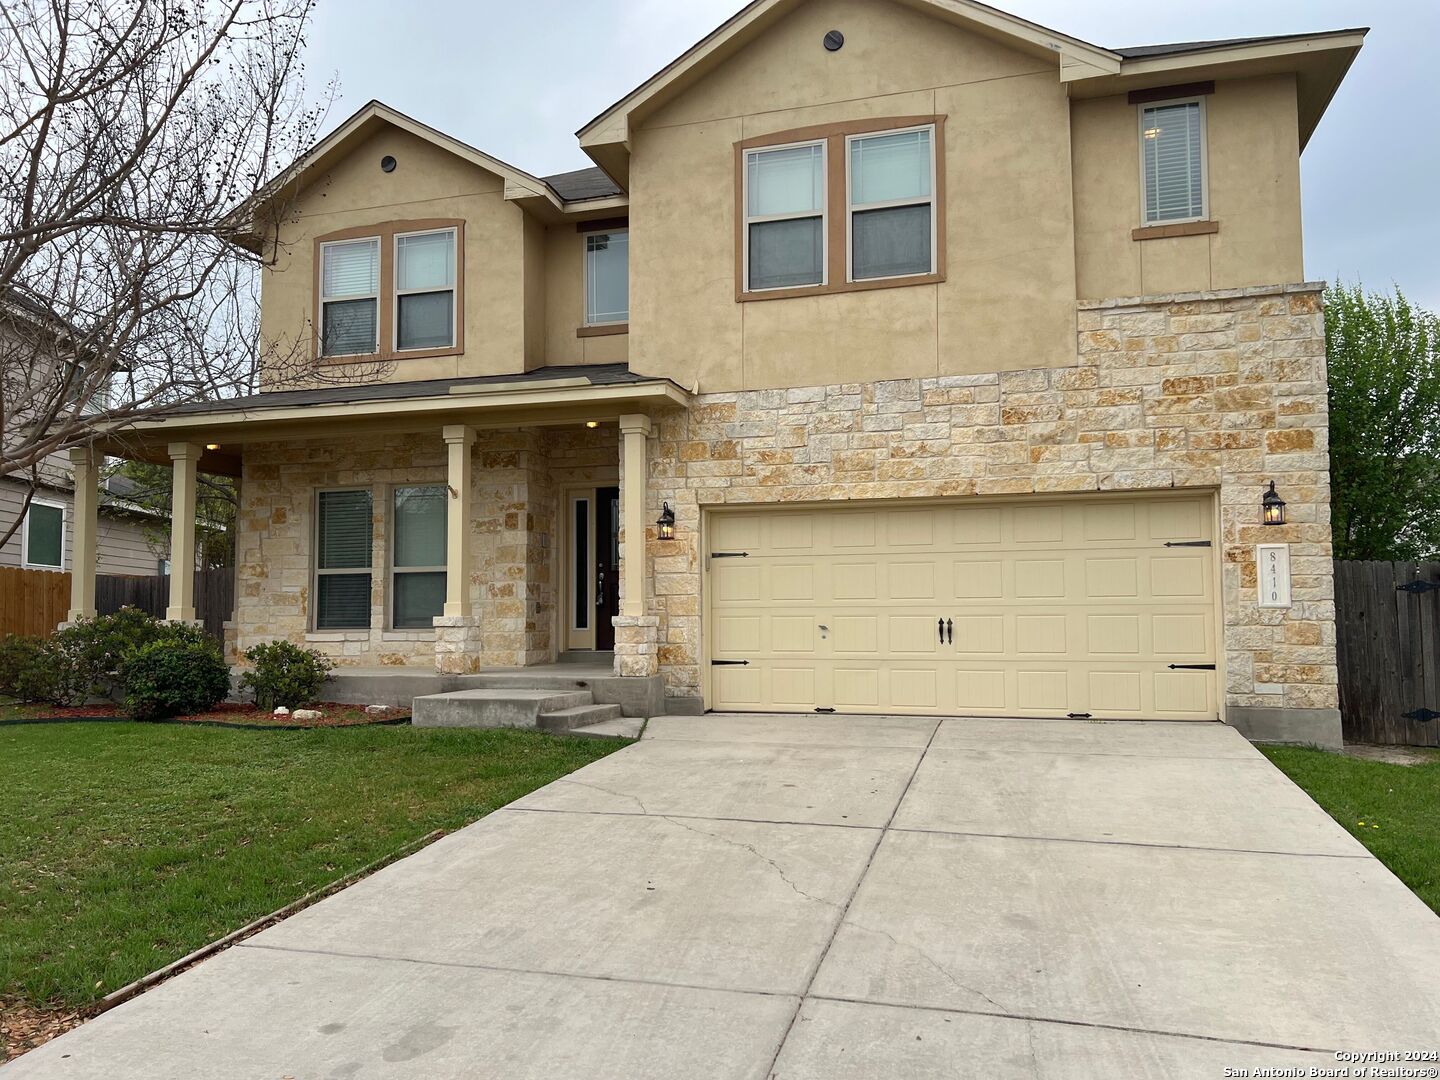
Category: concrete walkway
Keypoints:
(831, 898)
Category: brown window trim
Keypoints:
(837, 206)
(603, 329)
(1165, 93)
(606, 224)
(386, 231)
(1182, 228)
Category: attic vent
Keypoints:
(387, 164)
(833, 40)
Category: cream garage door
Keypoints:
(1102, 607)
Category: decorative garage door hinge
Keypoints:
(1078, 715)
(729, 554)
(1191, 667)
(729, 663)
(1187, 543)
(1421, 715)
(822, 708)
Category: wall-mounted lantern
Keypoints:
(665, 526)
(1272, 507)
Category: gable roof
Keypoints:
(1086, 69)
(581, 184)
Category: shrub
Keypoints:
(92, 651)
(21, 666)
(179, 673)
(283, 673)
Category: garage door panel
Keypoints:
(1070, 606)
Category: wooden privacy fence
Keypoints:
(37, 601)
(1387, 621)
(32, 601)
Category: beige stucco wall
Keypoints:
(427, 183)
(517, 477)
(1008, 300)
(1254, 165)
(1219, 391)
(565, 304)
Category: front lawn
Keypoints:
(124, 846)
(1394, 810)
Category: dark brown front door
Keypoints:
(607, 565)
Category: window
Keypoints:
(350, 297)
(891, 184)
(418, 563)
(607, 278)
(1172, 161)
(343, 536)
(785, 216)
(425, 290)
(580, 551)
(45, 536)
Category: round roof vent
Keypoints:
(833, 40)
(387, 164)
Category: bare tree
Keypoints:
(130, 131)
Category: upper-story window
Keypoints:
(607, 278)
(1172, 162)
(892, 204)
(841, 207)
(394, 290)
(785, 216)
(45, 535)
(425, 290)
(350, 297)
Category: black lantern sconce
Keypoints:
(1272, 507)
(665, 526)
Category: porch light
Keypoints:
(592, 423)
(212, 446)
(665, 527)
(1272, 507)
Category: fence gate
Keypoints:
(1387, 621)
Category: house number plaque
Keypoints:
(1272, 562)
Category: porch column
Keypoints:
(634, 429)
(458, 441)
(84, 462)
(184, 459)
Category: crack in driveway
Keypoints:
(758, 854)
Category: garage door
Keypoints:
(1102, 607)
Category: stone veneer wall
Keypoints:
(515, 487)
(1209, 390)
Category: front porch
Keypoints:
(438, 532)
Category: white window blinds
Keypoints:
(349, 294)
(607, 278)
(1172, 156)
(892, 204)
(785, 216)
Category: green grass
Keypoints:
(1399, 805)
(124, 846)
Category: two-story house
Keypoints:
(895, 357)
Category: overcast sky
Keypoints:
(517, 80)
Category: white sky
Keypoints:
(517, 80)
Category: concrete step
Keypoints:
(589, 657)
(626, 727)
(579, 716)
(516, 707)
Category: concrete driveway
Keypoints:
(831, 897)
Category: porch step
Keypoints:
(578, 716)
(588, 656)
(516, 707)
(625, 727)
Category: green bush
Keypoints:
(92, 651)
(21, 668)
(174, 675)
(283, 673)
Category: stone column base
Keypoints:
(637, 649)
(457, 644)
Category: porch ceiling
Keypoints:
(483, 403)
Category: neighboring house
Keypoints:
(45, 539)
(961, 350)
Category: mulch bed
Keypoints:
(24, 1027)
(228, 715)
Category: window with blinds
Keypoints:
(1172, 161)
(425, 290)
(607, 278)
(418, 565)
(785, 216)
(892, 204)
(344, 533)
(350, 297)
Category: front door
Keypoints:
(607, 565)
(594, 568)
